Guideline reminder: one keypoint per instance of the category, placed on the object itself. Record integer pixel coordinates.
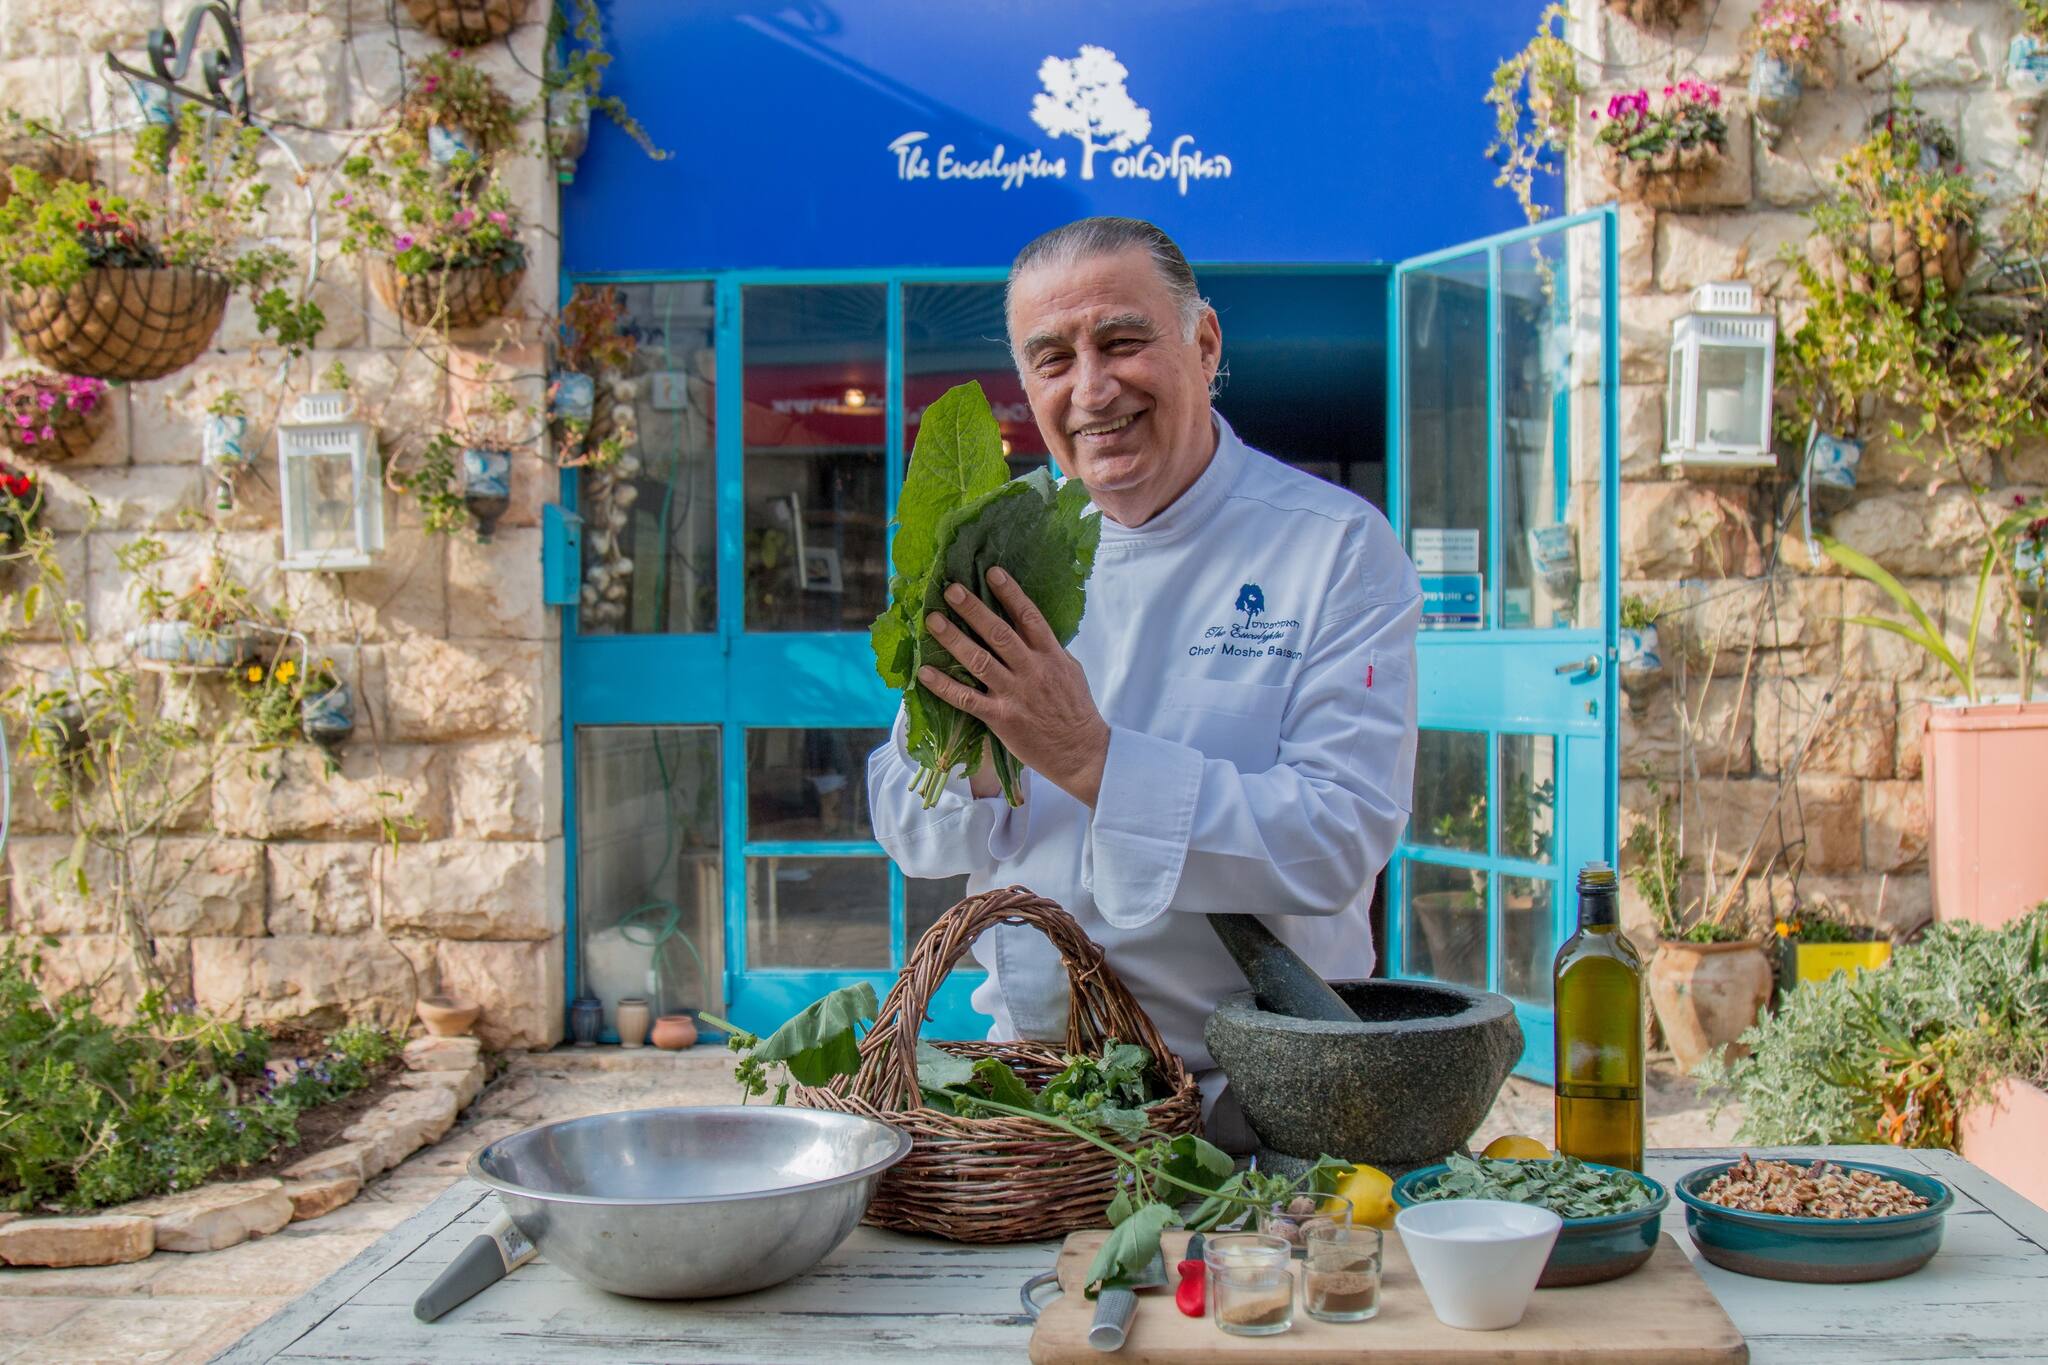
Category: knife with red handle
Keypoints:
(1188, 1297)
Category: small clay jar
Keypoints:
(674, 1032)
(447, 1016)
(633, 1017)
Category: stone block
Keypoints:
(518, 984)
(1915, 535)
(1853, 726)
(1635, 244)
(169, 414)
(404, 1122)
(223, 1214)
(112, 597)
(318, 981)
(1895, 826)
(474, 889)
(101, 1239)
(433, 1053)
(494, 587)
(1711, 723)
(1912, 727)
(1695, 248)
(192, 886)
(1645, 336)
(536, 482)
(404, 592)
(505, 789)
(347, 1161)
(1800, 169)
(1817, 822)
(1898, 902)
(289, 794)
(1945, 46)
(464, 1085)
(438, 690)
(1639, 437)
(122, 497)
(1879, 654)
(312, 1198)
(59, 93)
(1685, 530)
(103, 965)
(1788, 623)
(321, 888)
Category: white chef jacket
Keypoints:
(1252, 648)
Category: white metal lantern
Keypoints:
(331, 485)
(1724, 354)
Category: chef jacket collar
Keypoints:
(1192, 509)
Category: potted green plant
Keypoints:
(1707, 979)
(590, 426)
(454, 109)
(1816, 943)
(1637, 655)
(19, 500)
(52, 417)
(574, 85)
(119, 287)
(41, 147)
(1535, 98)
(444, 250)
(1789, 42)
(197, 630)
(1906, 211)
(1655, 145)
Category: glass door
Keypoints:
(1501, 410)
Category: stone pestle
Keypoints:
(1282, 982)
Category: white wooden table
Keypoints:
(883, 1296)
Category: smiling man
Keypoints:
(1233, 727)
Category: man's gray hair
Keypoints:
(1086, 238)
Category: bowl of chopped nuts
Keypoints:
(1815, 1222)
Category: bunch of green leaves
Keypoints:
(817, 1045)
(425, 221)
(432, 481)
(355, 1056)
(1109, 1092)
(1896, 1055)
(1565, 1185)
(1639, 612)
(958, 517)
(1535, 98)
(1657, 866)
(1906, 173)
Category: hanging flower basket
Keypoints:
(181, 647)
(1673, 168)
(467, 22)
(1886, 243)
(1652, 13)
(51, 417)
(51, 158)
(463, 296)
(128, 323)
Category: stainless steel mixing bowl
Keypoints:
(690, 1203)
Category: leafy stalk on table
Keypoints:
(821, 1042)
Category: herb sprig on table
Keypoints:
(1565, 1185)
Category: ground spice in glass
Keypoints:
(1260, 1312)
(1343, 1291)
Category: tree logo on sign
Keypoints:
(1085, 98)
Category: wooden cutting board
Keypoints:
(1663, 1314)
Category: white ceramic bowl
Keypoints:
(1478, 1259)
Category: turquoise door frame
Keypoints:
(1506, 681)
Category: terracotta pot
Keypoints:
(1706, 994)
(674, 1032)
(1983, 767)
(447, 1016)
(2003, 1138)
(633, 1017)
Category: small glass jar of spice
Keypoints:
(1251, 1283)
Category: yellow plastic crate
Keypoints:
(1819, 961)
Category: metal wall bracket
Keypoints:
(224, 69)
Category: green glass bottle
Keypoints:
(1597, 984)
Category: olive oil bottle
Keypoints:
(1597, 985)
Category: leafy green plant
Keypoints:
(1565, 1185)
(577, 69)
(1685, 118)
(1535, 98)
(592, 336)
(1905, 173)
(1657, 864)
(1800, 33)
(449, 89)
(1639, 612)
(1899, 1055)
(959, 516)
(2033, 16)
(424, 221)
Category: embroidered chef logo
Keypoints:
(1253, 637)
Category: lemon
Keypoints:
(1517, 1148)
(1371, 1192)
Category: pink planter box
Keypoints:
(2005, 1139)
(1984, 767)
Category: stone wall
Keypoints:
(1759, 655)
(291, 903)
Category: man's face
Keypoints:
(1121, 398)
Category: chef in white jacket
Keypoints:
(1233, 727)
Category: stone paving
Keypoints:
(173, 1309)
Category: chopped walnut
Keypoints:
(1821, 1190)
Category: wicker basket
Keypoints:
(467, 296)
(998, 1179)
(51, 158)
(467, 23)
(1653, 13)
(1667, 175)
(121, 323)
(1885, 243)
(72, 434)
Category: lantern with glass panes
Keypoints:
(331, 485)
(1723, 357)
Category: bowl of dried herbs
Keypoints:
(1610, 1214)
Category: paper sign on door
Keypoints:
(1444, 550)
(1453, 601)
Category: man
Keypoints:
(1233, 727)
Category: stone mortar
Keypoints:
(1400, 1089)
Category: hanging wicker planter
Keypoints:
(52, 159)
(467, 23)
(1886, 243)
(466, 296)
(1652, 13)
(998, 1179)
(72, 433)
(121, 323)
(1668, 173)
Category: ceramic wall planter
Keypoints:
(328, 717)
(447, 1016)
(2026, 77)
(1775, 89)
(1982, 767)
(2004, 1137)
(1637, 656)
(1706, 994)
(486, 487)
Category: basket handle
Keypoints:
(1101, 1007)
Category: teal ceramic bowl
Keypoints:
(1776, 1246)
(1587, 1250)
